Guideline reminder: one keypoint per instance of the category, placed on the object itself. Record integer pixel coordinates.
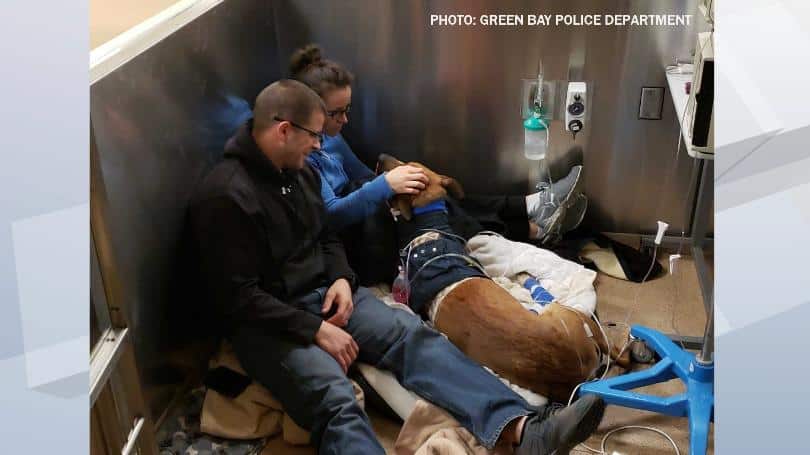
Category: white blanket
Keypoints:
(570, 283)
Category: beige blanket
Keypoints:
(254, 413)
(430, 430)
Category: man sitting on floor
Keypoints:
(281, 285)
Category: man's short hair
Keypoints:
(287, 99)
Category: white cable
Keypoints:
(607, 342)
(672, 318)
(570, 400)
(640, 285)
(636, 427)
(470, 260)
(497, 234)
(630, 427)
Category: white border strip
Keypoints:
(104, 359)
(113, 54)
(132, 439)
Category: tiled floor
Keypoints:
(659, 303)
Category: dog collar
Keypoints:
(435, 206)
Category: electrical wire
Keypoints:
(496, 234)
(470, 261)
(672, 318)
(636, 427)
(640, 285)
(610, 433)
(607, 343)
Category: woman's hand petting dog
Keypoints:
(406, 179)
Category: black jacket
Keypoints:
(261, 241)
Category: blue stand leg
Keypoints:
(697, 402)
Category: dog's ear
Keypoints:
(402, 203)
(387, 162)
(453, 187)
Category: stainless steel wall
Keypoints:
(159, 122)
(449, 96)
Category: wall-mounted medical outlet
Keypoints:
(651, 104)
(576, 103)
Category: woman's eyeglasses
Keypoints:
(315, 135)
(337, 112)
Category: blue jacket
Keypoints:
(339, 168)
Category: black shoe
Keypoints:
(553, 431)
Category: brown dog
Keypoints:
(549, 354)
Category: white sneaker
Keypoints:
(553, 200)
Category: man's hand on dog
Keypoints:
(406, 179)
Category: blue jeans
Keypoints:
(318, 396)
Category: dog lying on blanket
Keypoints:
(549, 354)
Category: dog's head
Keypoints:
(437, 188)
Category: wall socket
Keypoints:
(651, 104)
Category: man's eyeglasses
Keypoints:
(337, 112)
(315, 135)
